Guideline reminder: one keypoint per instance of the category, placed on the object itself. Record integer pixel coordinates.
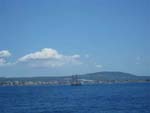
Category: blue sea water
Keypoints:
(106, 98)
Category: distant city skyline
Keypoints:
(57, 38)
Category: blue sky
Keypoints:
(63, 37)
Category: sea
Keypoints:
(102, 98)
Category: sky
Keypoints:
(65, 37)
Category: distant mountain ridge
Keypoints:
(103, 76)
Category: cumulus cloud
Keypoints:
(46, 53)
(49, 57)
(5, 53)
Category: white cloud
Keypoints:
(2, 61)
(76, 56)
(48, 57)
(99, 66)
(46, 53)
(5, 53)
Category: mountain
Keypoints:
(109, 76)
(102, 76)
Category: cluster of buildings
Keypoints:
(65, 82)
(29, 83)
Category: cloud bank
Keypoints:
(49, 57)
(46, 57)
